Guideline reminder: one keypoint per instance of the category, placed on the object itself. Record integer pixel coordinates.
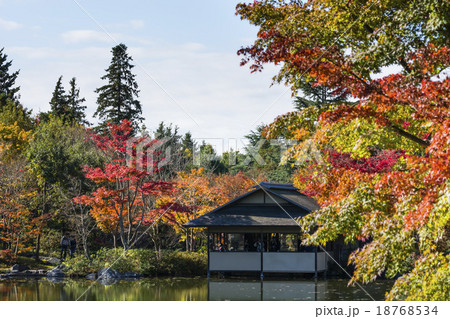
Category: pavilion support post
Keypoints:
(208, 243)
(262, 256)
(315, 263)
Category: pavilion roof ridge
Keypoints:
(271, 185)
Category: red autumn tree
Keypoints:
(127, 190)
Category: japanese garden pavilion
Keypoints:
(258, 232)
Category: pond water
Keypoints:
(188, 289)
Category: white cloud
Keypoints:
(9, 25)
(193, 46)
(79, 36)
(137, 24)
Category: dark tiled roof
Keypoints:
(296, 198)
(251, 215)
(235, 213)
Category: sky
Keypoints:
(184, 53)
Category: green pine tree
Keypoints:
(209, 160)
(59, 103)
(7, 89)
(188, 149)
(66, 106)
(169, 150)
(76, 109)
(117, 100)
(265, 157)
(318, 96)
(188, 146)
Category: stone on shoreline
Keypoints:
(56, 272)
(27, 273)
(19, 268)
(52, 260)
(108, 276)
(91, 276)
(108, 273)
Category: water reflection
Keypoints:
(312, 290)
(174, 289)
(187, 289)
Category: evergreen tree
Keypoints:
(75, 104)
(67, 106)
(167, 131)
(209, 160)
(58, 103)
(234, 162)
(318, 96)
(262, 156)
(117, 100)
(188, 148)
(169, 149)
(7, 81)
(188, 145)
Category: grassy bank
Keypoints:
(144, 261)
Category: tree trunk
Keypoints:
(44, 208)
(16, 249)
(38, 247)
(86, 249)
(122, 231)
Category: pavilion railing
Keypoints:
(297, 262)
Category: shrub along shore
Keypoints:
(147, 262)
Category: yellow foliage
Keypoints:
(13, 139)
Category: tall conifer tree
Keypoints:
(58, 103)
(67, 106)
(319, 96)
(7, 81)
(75, 104)
(117, 100)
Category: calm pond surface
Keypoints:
(191, 289)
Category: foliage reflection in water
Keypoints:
(188, 289)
